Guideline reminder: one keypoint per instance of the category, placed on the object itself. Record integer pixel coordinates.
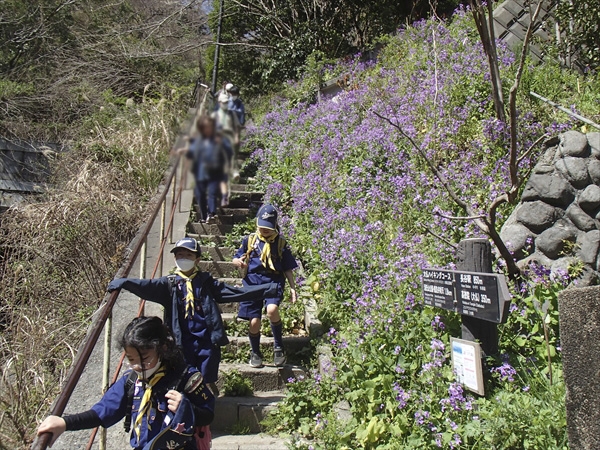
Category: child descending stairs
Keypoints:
(246, 394)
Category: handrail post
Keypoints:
(143, 260)
(183, 175)
(162, 232)
(106, 370)
(174, 184)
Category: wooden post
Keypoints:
(475, 255)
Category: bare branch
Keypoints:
(486, 34)
(441, 238)
(532, 147)
(513, 162)
(479, 216)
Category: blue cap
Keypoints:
(267, 217)
(187, 242)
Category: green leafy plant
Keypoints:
(236, 385)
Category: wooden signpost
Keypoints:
(481, 298)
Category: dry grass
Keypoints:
(58, 252)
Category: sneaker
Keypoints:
(236, 177)
(255, 360)
(225, 200)
(211, 219)
(279, 357)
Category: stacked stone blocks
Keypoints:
(557, 221)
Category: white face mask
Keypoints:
(147, 373)
(234, 97)
(185, 265)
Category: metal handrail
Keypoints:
(157, 265)
(41, 442)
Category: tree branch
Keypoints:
(479, 216)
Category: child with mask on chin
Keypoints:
(190, 299)
(165, 401)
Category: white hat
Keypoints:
(228, 86)
(223, 98)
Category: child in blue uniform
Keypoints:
(269, 260)
(168, 398)
(190, 299)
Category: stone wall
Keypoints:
(557, 221)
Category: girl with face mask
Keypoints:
(165, 398)
(190, 298)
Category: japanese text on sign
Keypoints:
(480, 295)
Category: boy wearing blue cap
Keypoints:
(269, 260)
(190, 298)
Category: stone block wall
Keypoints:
(557, 221)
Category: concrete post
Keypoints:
(579, 319)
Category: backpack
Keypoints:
(213, 157)
(202, 435)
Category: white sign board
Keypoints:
(466, 363)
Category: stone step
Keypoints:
(205, 238)
(240, 187)
(257, 441)
(245, 199)
(228, 210)
(220, 269)
(228, 308)
(294, 345)
(233, 281)
(263, 379)
(216, 229)
(230, 216)
(217, 253)
(235, 413)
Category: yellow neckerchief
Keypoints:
(189, 297)
(265, 255)
(146, 401)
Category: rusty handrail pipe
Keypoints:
(41, 441)
(143, 302)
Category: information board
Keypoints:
(484, 296)
(466, 364)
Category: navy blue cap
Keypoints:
(267, 217)
(187, 242)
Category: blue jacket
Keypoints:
(237, 106)
(209, 291)
(164, 425)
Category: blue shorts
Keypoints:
(253, 309)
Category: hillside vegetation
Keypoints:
(366, 216)
(111, 81)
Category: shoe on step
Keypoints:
(279, 357)
(256, 360)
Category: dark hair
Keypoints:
(203, 122)
(144, 333)
(234, 90)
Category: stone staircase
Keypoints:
(237, 423)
